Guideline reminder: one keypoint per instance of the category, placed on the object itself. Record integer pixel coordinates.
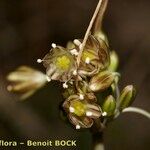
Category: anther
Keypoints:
(75, 72)
(87, 60)
(88, 113)
(77, 42)
(78, 127)
(71, 109)
(48, 78)
(104, 114)
(53, 45)
(39, 60)
(81, 96)
(65, 86)
(74, 52)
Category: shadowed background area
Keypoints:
(27, 29)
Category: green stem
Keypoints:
(117, 92)
(137, 110)
(97, 135)
(98, 143)
(117, 95)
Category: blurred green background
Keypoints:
(27, 29)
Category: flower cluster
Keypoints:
(94, 74)
(87, 70)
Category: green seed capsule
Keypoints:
(109, 106)
(114, 61)
(127, 97)
(102, 80)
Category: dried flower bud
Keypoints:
(81, 112)
(114, 61)
(104, 53)
(59, 64)
(26, 80)
(127, 97)
(95, 57)
(101, 35)
(102, 80)
(109, 106)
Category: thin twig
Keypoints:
(137, 110)
(97, 26)
(88, 30)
